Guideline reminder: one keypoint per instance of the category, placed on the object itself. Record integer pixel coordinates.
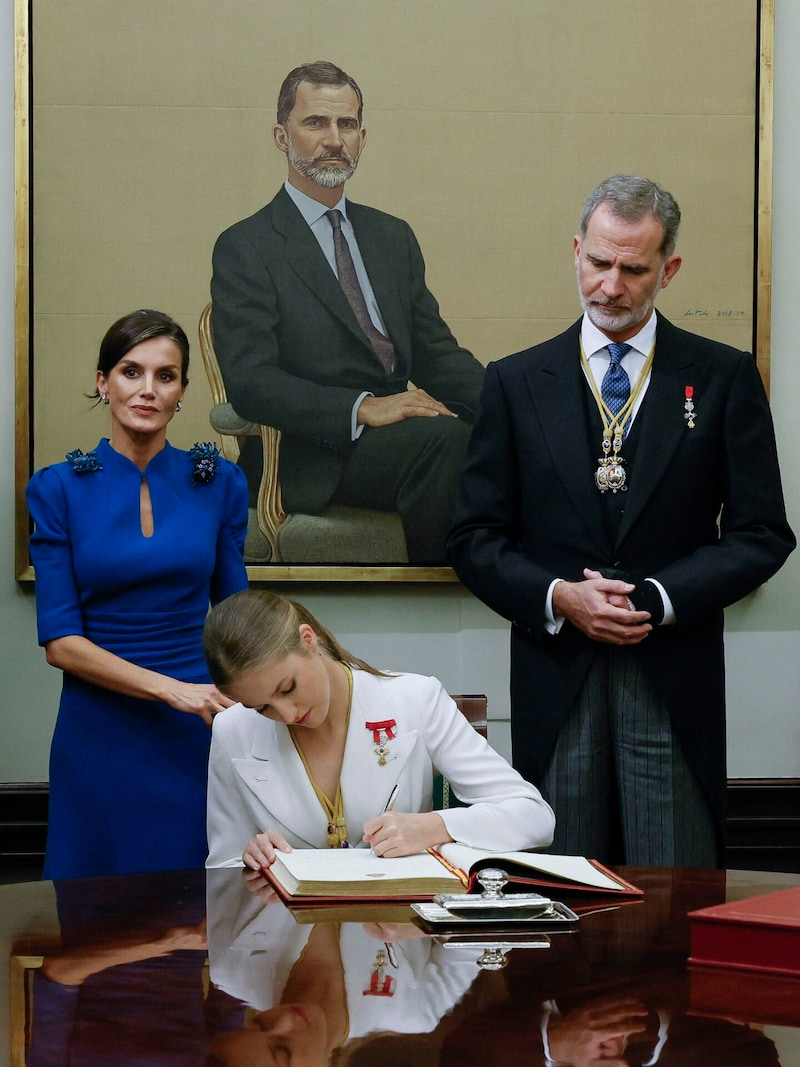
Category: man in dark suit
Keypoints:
(612, 517)
(328, 362)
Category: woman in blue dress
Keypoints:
(131, 542)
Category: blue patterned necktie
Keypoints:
(616, 386)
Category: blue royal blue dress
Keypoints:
(127, 775)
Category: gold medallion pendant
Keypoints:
(610, 475)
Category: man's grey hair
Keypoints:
(632, 199)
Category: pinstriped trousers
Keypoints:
(617, 780)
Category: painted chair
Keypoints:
(340, 535)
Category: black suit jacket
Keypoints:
(529, 513)
(292, 353)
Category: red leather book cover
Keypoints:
(756, 934)
(724, 993)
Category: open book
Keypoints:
(355, 874)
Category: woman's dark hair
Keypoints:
(131, 330)
(253, 629)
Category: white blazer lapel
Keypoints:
(274, 778)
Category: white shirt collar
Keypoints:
(311, 210)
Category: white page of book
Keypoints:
(356, 865)
(576, 868)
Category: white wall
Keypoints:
(442, 630)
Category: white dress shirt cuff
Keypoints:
(669, 611)
(355, 429)
(552, 623)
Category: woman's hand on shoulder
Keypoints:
(78, 655)
(196, 698)
(402, 834)
(260, 852)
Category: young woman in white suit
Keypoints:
(313, 751)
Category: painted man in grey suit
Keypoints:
(614, 536)
(295, 353)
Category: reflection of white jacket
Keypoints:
(256, 780)
(253, 947)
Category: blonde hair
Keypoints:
(253, 629)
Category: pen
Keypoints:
(389, 805)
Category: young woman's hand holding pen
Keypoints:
(393, 834)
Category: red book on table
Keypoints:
(757, 934)
(757, 997)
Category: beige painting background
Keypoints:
(488, 123)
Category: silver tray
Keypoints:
(493, 915)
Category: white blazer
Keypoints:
(256, 780)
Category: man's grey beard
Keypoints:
(607, 321)
(320, 172)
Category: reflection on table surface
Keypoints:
(207, 968)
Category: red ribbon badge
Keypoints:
(389, 725)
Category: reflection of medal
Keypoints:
(382, 734)
(610, 475)
(380, 983)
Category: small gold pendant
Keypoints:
(382, 750)
(382, 734)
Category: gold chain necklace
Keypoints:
(610, 473)
(334, 809)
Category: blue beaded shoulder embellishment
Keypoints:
(205, 459)
(84, 463)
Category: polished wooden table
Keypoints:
(161, 969)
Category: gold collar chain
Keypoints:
(610, 473)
